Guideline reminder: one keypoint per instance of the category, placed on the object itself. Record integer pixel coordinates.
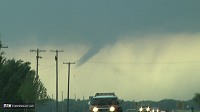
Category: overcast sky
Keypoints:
(139, 49)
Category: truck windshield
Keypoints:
(104, 101)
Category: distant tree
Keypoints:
(196, 98)
(2, 59)
(180, 104)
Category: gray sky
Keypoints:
(141, 50)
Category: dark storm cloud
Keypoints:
(95, 22)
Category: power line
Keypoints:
(56, 59)
(77, 84)
(47, 67)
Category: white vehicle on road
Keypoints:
(104, 102)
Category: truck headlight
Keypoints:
(95, 109)
(141, 109)
(112, 109)
(148, 109)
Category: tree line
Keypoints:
(19, 83)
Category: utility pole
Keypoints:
(37, 57)
(1, 46)
(52, 103)
(62, 102)
(56, 59)
(69, 63)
